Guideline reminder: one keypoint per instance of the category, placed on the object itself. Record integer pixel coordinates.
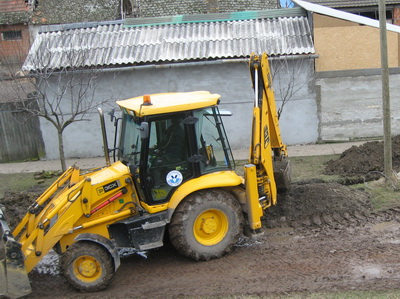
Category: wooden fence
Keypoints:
(20, 135)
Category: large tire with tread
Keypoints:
(206, 224)
(87, 266)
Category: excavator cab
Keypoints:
(164, 151)
(150, 159)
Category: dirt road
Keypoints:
(360, 253)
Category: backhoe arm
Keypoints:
(267, 151)
(264, 99)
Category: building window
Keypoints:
(373, 13)
(11, 35)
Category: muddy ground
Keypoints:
(354, 254)
(322, 237)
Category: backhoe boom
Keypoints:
(267, 150)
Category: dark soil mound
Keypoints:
(16, 205)
(365, 160)
(317, 203)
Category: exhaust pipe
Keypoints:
(104, 133)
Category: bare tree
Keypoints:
(290, 78)
(62, 95)
(62, 99)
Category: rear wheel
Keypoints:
(87, 266)
(206, 224)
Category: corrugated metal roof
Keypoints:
(347, 3)
(115, 44)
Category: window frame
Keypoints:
(11, 35)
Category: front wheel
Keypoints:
(87, 266)
(206, 224)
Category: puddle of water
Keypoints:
(368, 271)
(386, 225)
(396, 241)
(377, 271)
(281, 234)
(372, 270)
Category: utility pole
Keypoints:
(387, 130)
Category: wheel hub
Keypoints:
(209, 226)
(87, 268)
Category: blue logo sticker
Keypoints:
(174, 178)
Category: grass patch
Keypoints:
(20, 182)
(303, 168)
(16, 182)
(383, 196)
(306, 168)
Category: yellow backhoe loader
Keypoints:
(175, 172)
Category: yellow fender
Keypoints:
(212, 180)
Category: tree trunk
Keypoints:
(61, 150)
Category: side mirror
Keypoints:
(144, 130)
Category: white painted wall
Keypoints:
(299, 121)
(351, 106)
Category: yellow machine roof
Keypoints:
(170, 102)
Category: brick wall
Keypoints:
(13, 5)
(396, 15)
(13, 50)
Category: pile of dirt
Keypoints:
(17, 203)
(312, 203)
(318, 203)
(364, 161)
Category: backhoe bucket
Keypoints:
(14, 281)
(282, 174)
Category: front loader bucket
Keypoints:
(282, 174)
(14, 281)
